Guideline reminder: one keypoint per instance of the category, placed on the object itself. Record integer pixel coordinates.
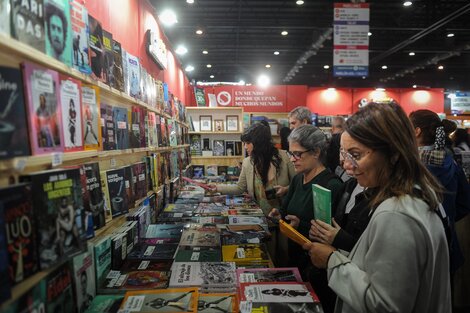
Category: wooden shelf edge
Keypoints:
(214, 133)
(232, 108)
(216, 157)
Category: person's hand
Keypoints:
(275, 214)
(319, 253)
(212, 188)
(281, 190)
(323, 232)
(294, 220)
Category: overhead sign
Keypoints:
(351, 39)
(265, 99)
(156, 49)
(460, 103)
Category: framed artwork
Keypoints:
(232, 123)
(219, 125)
(205, 123)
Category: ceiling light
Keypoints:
(263, 81)
(241, 82)
(380, 89)
(189, 68)
(299, 2)
(326, 67)
(209, 65)
(415, 86)
(284, 33)
(440, 67)
(181, 50)
(411, 53)
(212, 76)
(407, 3)
(268, 65)
(199, 32)
(205, 52)
(168, 18)
(190, 1)
(450, 35)
(276, 52)
(369, 34)
(384, 67)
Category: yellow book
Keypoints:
(245, 253)
(292, 233)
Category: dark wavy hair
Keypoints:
(385, 128)
(264, 153)
(428, 121)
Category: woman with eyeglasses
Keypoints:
(308, 146)
(401, 261)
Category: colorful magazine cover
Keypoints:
(118, 76)
(265, 275)
(276, 292)
(276, 307)
(121, 128)
(80, 35)
(59, 290)
(27, 23)
(70, 98)
(182, 300)
(58, 30)
(84, 280)
(186, 274)
(91, 117)
(133, 72)
(97, 53)
(44, 109)
(116, 190)
(217, 302)
(108, 71)
(93, 199)
(13, 122)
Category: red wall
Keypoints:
(128, 21)
(325, 101)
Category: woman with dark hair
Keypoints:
(461, 141)
(264, 168)
(401, 261)
(430, 136)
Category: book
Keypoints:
(141, 280)
(245, 253)
(105, 304)
(164, 231)
(92, 122)
(59, 292)
(265, 275)
(230, 147)
(84, 280)
(217, 302)
(218, 147)
(102, 258)
(20, 231)
(164, 132)
(321, 203)
(118, 76)
(133, 73)
(109, 133)
(80, 34)
(5, 18)
(195, 145)
(93, 200)
(44, 110)
(129, 186)
(13, 122)
(182, 300)
(275, 307)
(212, 170)
(200, 238)
(276, 292)
(118, 250)
(97, 53)
(59, 214)
(108, 62)
(108, 212)
(188, 274)
(27, 23)
(70, 99)
(198, 254)
(116, 190)
(121, 128)
(58, 30)
(5, 285)
(292, 233)
(33, 300)
(153, 252)
(246, 220)
(166, 100)
(146, 265)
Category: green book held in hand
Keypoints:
(321, 203)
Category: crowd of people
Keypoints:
(396, 194)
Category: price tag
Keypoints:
(240, 253)
(143, 265)
(112, 162)
(113, 274)
(57, 159)
(20, 164)
(134, 303)
(245, 306)
(195, 256)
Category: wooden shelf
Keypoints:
(217, 157)
(215, 133)
(215, 108)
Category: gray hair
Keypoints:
(311, 138)
(301, 113)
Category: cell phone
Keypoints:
(270, 194)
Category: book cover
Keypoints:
(133, 73)
(198, 254)
(146, 280)
(212, 170)
(116, 190)
(108, 215)
(230, 147)
(275, 307)
(59, 214)
(33, 300)
(102, 258)
(164, 231)
(139, 180)
(146, 265)
(245, 253)
(195, 145)
(97, 53)
(44, 109)
(13, 127)
(118, 250)
(259, 275)
(92, 122)
(58, 30)
(80, 35)
(217, 302)
(166, 100)
(121, 128)
(27, 23)
(291, 233)
(275, 292)
(173, 133)
(137, 128)
(182, 300)
(20, 231)
(70, 99)
(129, 185)
(108, 71)
(160, 97)
(93, 200)
(5, 284)
(84, 280)
(218, 147)
(118, 79)
(321, 203)
(125, 71)
(5, 19)
(59, 292)
(143, 95)
(200, 238)
(109, 135)
(186, 274)
(153, 252)
(152, 138)
(246, 220)
(164, 132)
(105, 304)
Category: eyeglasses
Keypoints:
(296, 154)
(352, 158)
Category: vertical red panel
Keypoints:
(296, 96)
(416, 99)
(330, 101)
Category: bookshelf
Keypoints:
(12, 54)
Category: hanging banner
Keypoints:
(200, 96)
(253, 98)
(351, 39)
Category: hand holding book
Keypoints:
(290, 232)
(323, 232)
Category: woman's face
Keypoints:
(248, 147)
(304, 161)
(361, 162)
